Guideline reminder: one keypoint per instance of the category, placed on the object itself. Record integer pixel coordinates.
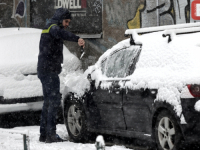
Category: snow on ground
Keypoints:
(19, 51)
(10, 141)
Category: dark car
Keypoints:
(146, 87)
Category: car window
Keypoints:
(134, 61)
(119, 62)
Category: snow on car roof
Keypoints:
(19, 51)
(159, 60)
(16, 31)
(162, 28)
(166, 63)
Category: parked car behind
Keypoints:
(146, 87)
(20, 88)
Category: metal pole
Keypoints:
(1, 24)
(26, 139)
(26, 142)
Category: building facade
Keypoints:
(101, 22)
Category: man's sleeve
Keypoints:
(57, 33)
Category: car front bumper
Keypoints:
(7, 108)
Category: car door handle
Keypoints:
(116, 90)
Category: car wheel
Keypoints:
(75, 122)
(167, 132)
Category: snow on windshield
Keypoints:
(18, 57)
(165, 66)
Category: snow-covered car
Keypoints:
(20, 88)
(146, 87)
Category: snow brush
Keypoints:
(82, 52)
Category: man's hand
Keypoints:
(81, 42)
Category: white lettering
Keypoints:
(78, 4)
(75, 6)
(69, 4)
(65, 3)
(58, 4)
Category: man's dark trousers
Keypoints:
(51, 91)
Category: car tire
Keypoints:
(168, 135)
(75, 121)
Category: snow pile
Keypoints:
(172, 96)
(168, 67)
(100, 140)
(100, 143)
(197, 106)
(18, 57)
(76, 81)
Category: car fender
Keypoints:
(69, 97)
(158, 107)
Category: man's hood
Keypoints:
(59, 16)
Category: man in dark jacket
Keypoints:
(49, 67)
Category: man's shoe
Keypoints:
(53, 138)
(42, 138)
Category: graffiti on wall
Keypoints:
(161, 12)
(19, 11)
(15, 9)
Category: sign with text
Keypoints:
(76, 7)
(196, 10)
(70, 4)
(86, 14)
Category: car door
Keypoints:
(109, 104)
(136, 110)
(109, 96)
(136, 104)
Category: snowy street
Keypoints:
(9, 141)
(15, 141)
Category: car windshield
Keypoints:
(119, 62)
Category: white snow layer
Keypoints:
(197, 106)
(168, 67)
(76, 81)
(100, 140)
(19, 51)
(11, 139)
